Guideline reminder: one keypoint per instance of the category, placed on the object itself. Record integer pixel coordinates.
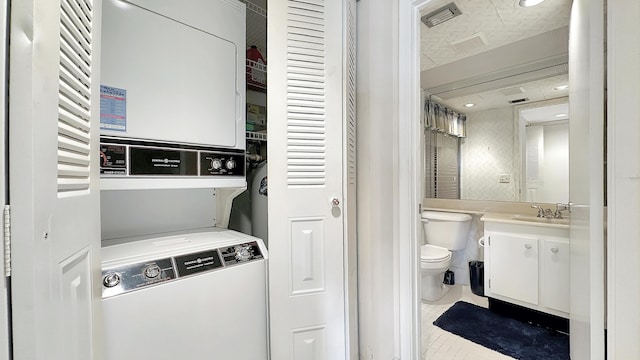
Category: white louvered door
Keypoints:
(311, 102)
(53, 178)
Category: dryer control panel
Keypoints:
(140, 159)
(123, 279)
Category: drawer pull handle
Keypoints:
(527, 246)
(554, 250)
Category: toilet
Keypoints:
(444, 232)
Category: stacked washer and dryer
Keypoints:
(176, 284)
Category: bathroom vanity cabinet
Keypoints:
(527, 264)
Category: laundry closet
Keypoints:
(176, 100)
(128, 150)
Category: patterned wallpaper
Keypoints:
(487, 152)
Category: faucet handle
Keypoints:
(563, 206)
(560, 207)
(540, 210)
(548, 213)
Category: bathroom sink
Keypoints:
(536, 219)
(522, 219)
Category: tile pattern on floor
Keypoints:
(438, 344)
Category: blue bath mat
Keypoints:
(505, 335)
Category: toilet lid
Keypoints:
(432, 253)
(445, 216)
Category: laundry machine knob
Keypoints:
(111, 280)
(216, 164)
(231, 164)
(151, 271)
(243, 253)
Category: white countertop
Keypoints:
(528, 220)
(516, 213)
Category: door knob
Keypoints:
(527, 246)
(554, 250)
(335, 201)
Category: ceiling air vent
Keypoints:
(441, 15)
(517, 101)
(473, 42)
(515, 90)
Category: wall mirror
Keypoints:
(504, 69)
(544, 148)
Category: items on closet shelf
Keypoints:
(256, 69)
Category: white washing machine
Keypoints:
(194, 295)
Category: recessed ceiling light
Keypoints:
(561, 87)
(527, 3)
(562, 115)
(469, 105)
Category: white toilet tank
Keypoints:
(445, 229)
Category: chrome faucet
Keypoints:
(560, 207)
(544, 213)
(540, 210)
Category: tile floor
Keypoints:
(438, 344)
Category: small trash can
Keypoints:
(476, 277)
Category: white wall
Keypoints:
(163, 210)
(623, 119)
(488, 151)
(377, 159)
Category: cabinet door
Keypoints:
(555, 275)
(513, 270)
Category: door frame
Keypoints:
(5, 333)
(407, 243)
(521, 135)
(409, 186)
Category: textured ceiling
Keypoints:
(534, 91)
(499, 21)
(501, 24)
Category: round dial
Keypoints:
(243, 253)
(216, 164)
(111, 280)
(231, 164)
(151, 271)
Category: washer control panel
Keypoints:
(131, 277)
(240, 253)
(123, 279)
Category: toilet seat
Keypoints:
(432, 254)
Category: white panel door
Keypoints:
(53, 179)
(311, 282)
(555, 275)
(586, 176)
(513, 269)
